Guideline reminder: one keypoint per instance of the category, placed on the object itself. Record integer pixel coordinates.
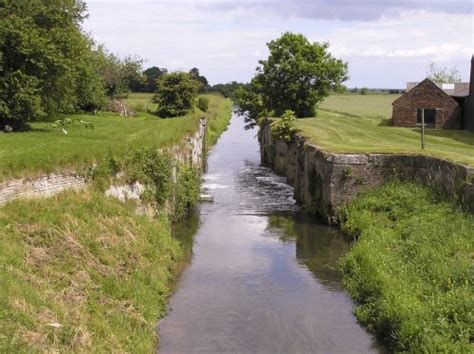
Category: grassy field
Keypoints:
(82, 273)
(372, 105)
(344, 133)
(46, 149)
(141, 102)
(410, 272)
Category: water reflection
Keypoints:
(262, 277)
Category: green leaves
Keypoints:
(283, 128)
(296, 76)
(47, 64)
(176, 94)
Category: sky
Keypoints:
(385, 42)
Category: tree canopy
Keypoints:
(176, 94)
(47, 64)
(296, 76)
(443, 75)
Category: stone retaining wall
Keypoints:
(192, 152)
(324, 182)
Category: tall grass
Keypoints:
(81, 272)
(410, 271)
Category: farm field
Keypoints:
(350, 131)
(45, 149)
(371, 105)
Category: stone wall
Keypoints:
(44, 186)
(323, 182)
(191, 152)
(426, 95)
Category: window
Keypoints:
(430, 116)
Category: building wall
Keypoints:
(426, 95)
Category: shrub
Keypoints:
(283, 128)
(176, 94)
(203, 104)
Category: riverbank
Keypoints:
(410, 271)
(85, 272)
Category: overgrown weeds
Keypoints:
(410, 271)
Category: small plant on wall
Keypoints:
(283, 128)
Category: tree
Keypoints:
(296, 76)
(443, 75)
(364, 91)
(152, 75)
(204, 84)
(176, 94)
(119, 75)
(47, 64)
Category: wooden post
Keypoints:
(422, 129)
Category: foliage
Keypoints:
(250, 103)
(203, 83)
(47, 65)
(82, 273)
(187, 192)
(152, 75)
(283, 128)
(119, 75)
(443, 75)
(154, 169)
(364, 91)
(176, 94)
(410, 270)
(296, 76)
(203, 104)
(226, 90)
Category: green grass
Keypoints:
(372, 105)
(87, 263)
(410, 272)
(45, 150)
(140, 101)
(340, 133)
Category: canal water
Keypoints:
(261, 276)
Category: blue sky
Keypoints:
(385, 42)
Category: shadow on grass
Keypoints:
(462, 136)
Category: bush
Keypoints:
(176, 94)
(203, 104)
(364, 91)
(283, 128)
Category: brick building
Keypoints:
(447, 106)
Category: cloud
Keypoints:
(347, 10)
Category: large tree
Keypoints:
(203, 83)
(47, 64)
(296, 76)
(152, 75)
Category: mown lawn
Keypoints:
(344, 133)
(410, 271)
(46, 149)
(371, 105)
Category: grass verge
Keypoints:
(81, 272)
(45, 149)
(339, 133)
(410, 272)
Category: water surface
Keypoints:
(262, 277)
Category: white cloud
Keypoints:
(226, 44)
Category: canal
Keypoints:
(261, 276)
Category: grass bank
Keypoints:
(81, 272)
(45, 149)
(360, 124)
(410, 271)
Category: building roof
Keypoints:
(459, 89)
